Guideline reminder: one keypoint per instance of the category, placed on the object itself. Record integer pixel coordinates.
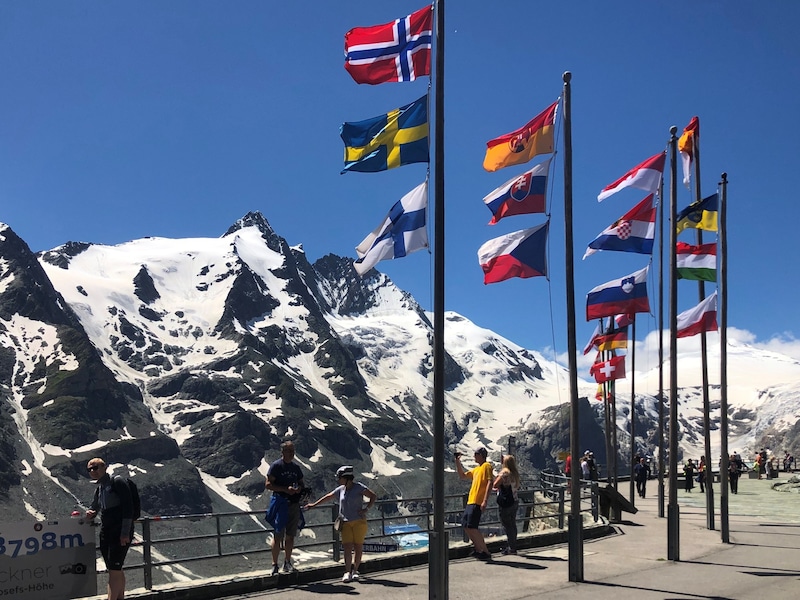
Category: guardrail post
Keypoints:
(336, 551)
(561, 508)
(464, 536)
(147, 557)
(219, 536)
(595, 503)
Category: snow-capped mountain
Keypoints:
(190, 360)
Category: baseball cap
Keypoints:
(481, 450)
(343, 471)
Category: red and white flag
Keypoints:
(699, 319)
(608, 370)
(645, 176)
(396, 51)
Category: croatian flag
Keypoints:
(520, 254)
(608, 370)
(700, 319)
(396, 51)
(645, 176)
(632, 232)
(402, 232)
(521, 195)
(626, 295)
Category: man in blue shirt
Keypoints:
(285, 481)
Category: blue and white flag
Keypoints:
(402, 232)
(632, 232)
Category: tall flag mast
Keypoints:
(437, 560)
(673, 510)
(723, 353)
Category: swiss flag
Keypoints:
(608, 370)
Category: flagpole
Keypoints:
(673, 510)
(614, 441)
(633, 404)
(438, 578)
(701, 290)
(661, 351)
(723, 354)
(575, 519)
(607, 416)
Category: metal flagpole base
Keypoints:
(673, 532)
(438, 567)
(575, 533)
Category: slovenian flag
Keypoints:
(697, 262)
(520, 254)
(632, 232)
(645, 176)
(699, 319)
(626, 295)
(396, 51)
(521, 195)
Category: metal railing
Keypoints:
(169, 543)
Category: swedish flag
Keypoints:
(397, 138)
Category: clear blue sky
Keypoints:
(120, 120)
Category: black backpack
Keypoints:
(505, 496)
(135, 500)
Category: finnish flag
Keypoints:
(402, 232)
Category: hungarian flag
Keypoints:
(698, 263)
(645, 176)
(607, 370)
(686, 145)
(396, 51)
(700, 319)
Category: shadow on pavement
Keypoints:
(683, 595)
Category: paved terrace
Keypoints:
(761, 562)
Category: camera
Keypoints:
(458, 454)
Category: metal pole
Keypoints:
(673, 510)
(661, 350)
(723, 354)
(575, 521)
(614, 443)
(701, 290)
(633, 406)
(437, 559)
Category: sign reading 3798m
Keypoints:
(49, 560)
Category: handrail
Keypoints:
(540, 503)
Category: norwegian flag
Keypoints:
(396, 51)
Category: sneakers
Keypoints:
(347, 577)
(288, 567)
(508, 551)
(483, 556)
(354, 576)
(274, 569)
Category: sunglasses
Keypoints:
(94, 468)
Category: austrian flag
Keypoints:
(396, 51)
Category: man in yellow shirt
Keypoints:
(482, 477)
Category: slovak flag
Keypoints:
(626, 295)
(396, 51)
(519, 254)
(645, 176)
(608, 370)
(632, 232)
(520, 195)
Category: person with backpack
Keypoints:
(507, 484)
(113, 502)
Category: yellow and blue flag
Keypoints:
(699, 215)
(397, 138)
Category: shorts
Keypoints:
(354, 532)
(471, 517)
(113, 553)
(291, 523)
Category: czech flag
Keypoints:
(626, 295)
(520, 254)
